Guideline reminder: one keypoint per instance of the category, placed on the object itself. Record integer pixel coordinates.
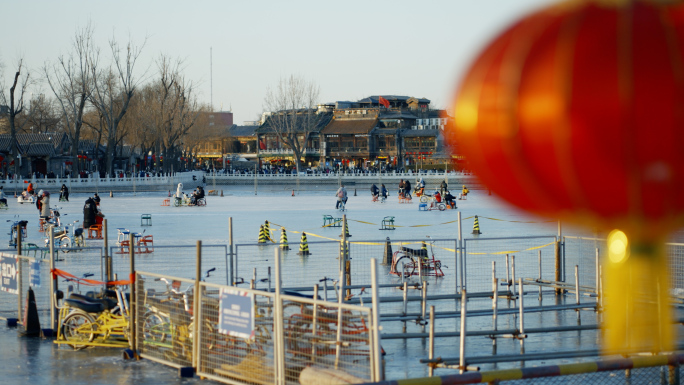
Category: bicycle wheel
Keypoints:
(65, 243)
(155, 328)
(405, 261)
(79, 240)
(441, 206)
(423, 199)
(78, 328)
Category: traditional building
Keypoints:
(272, 150)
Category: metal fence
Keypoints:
(479, 253)
(178, 260)
(13, 305)
(288, 335)
(164, 318)
(255, 261)
(660, 369)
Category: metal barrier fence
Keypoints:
(675, 252)
(588, 255)
(12, 305)
(277, 336)
(443, 251)
(164, 318)
(177, 260)
(254, 261)
(479, 253)
(661, 369)
(582, 252)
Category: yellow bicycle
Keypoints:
(87, 321)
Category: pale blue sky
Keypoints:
(352, 49)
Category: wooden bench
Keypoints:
(387, 223)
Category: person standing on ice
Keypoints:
(64, 193)
(45, 205)
(179, 192)
(90, 211)
(341, 196)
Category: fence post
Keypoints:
(53, 281)
(460, 267)
(462, 361)
(557, 258)
(377, 370)
(343, 260)
(231, 280)
(278, 324)
(108, 259)
(196, 305)
(132, 305)
(431, 350)
(19, 278)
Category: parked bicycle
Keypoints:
(86, 320)
(13, 231)
(408, 262)
(68, 240)
(168, 322)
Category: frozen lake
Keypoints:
(304, 213)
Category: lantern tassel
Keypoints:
(638, 315)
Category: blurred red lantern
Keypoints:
(576, 112)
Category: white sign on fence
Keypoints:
(236, 313)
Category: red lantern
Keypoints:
(577, 112)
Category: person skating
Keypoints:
(374, 192)
(341, 195)
(64, 193)
(449, 199)
(443, 187)
(407, 189)
(3, 197)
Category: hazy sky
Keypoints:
(351, 49)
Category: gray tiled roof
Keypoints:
(238, 131)
(39, 149)
(350, 126)
(420, 133)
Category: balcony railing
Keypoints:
(280, 151)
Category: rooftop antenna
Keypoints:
(211, 79)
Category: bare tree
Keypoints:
(178, 109)
(42, 116)
(294, 116)
(113, 89)
(15, 102)
(71, 80)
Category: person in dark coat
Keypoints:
(407, 189)
(90, 212)
(374, 191)
(64, 193)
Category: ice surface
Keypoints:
(302, 212)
